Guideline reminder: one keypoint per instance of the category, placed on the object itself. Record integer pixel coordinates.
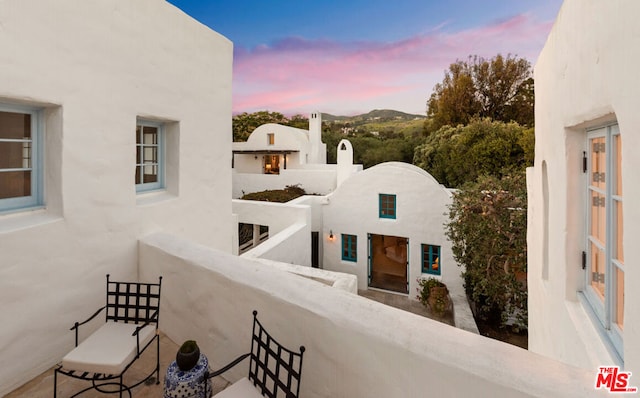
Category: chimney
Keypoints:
(315, 128)
(317, 150)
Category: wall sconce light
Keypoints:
(330, 234)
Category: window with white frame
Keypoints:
(604, 249)
(20, 157)
(150, 164)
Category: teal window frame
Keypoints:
(431, 254)
(33, 157)
(142, 162)
(387, 205)
(349, 247)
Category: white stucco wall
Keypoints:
(291, 245)
(421, 207)
(585, 76)
(285, 138)
(355, 347)
(314, 180)
(289, 230)
(95, 66)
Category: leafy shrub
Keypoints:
(425, 288)
(290, 192)
(488, 231)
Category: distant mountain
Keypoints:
(377, 115)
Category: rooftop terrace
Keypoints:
(356, 347)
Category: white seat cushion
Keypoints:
(109, 349)
(242, 388)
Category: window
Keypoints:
(605, 252)
(349, 247)
(430, 259)
(272, 164)
(271, 139)
(150, 140)
(20, 157)
(387, 206)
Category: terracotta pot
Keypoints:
(438, 299)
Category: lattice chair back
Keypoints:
(132, 313)
(273, 369)
(133, 302)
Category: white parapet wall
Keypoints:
(314, 180)
(289, 230)
(355, 347)
(338, 280)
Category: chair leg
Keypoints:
(55, 383)
(158, 359)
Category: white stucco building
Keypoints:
(583, 278)
(113, 115)
(109, 112)
(386, 225)
(275, 156)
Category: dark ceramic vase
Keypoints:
(188, 355)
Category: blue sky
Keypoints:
(348, 57)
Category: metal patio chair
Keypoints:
(274, 371)
(131, 325)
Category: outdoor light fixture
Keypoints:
(330, 234)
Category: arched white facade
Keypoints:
(420, 214)
(586, 84)
(93, 69)
(275, 156)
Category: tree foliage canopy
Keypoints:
(487, 228)
(370, 150)
(243, 124)
(500, 88)
(456, 155)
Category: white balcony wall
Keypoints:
(94, 67)
(289, 230)
(291, 245)
(355, 347)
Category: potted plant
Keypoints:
(188, 355)
(434, 295)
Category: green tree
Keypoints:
(500, 88)
(487, 228)
(298, 121)
(244, 123)
(457, 155)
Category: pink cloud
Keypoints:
(296, 75)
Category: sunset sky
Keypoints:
(351, 56)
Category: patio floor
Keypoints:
(402, 301)
(42, 386)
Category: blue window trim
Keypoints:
(37, 128)
(428, 262)
(384, 207)
(604, 311)
(152, 186)
(349, 247)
